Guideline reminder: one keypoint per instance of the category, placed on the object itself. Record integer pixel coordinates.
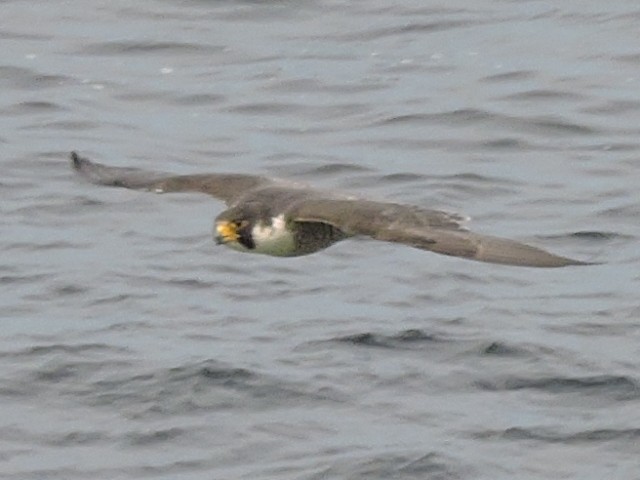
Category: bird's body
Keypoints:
(283, 219)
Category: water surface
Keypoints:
(133, 347)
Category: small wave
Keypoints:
(461, 116)
(540, 94)
(502, 349)
(625, 212)
(470, 116)
(402, 177)
(155, 437)
(336, 168)
(309, 85)
(33, 108)
(426, 27)
(553, 436)
(65, 125)
(137, 47)
(70, 439)
(559, 125)
(413, 338)
(65, 372)
(589, 235)
(271, 108)
(595, 235)
(206, 385)
(192, 283)
(20, 279)
(21, 78)
(198, 99)
(514, 76)
(56, 439)
(614, 107)
(396, 466)
(629, 58)
(619, 387)
(123, 297)
(55, 245)
(9, 35)
(507, 143)
(75, 349)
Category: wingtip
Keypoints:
(509, 252)
(76, 160)
(571, 262)
(579, 263)
(545, 259)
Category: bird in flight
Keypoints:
(279, 218)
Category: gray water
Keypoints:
(133, 347)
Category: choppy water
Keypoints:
(132, 347)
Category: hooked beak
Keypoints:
(227, 232)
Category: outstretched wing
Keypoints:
(431, 230)
(226, 187)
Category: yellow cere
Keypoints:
(227, 230)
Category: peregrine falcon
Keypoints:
(279, 218)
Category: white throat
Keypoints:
(274, 239)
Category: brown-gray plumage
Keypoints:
(278, 218)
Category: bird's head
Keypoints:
(235, 234)
(235, 227)
(251, 227)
